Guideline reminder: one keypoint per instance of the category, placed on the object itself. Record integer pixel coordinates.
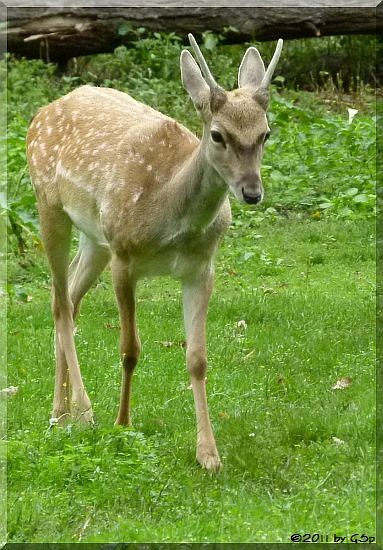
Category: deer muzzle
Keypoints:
(252, 189)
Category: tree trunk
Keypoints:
(59, 33)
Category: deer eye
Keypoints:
(267, 135)
(217, 137)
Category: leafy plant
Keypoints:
(312, 160)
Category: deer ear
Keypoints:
(251, 70)
(193, 81)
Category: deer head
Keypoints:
(235, 122)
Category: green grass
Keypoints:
(306, 292)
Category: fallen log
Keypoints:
(59, 33)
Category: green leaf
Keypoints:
(361, 198)
(124, 29)
(209, 40)
(352, 191)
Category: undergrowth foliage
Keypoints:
(316, 161)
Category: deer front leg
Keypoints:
(196, 297)
(129, 341)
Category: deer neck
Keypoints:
(201, 190)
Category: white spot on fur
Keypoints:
(137, 196)
(62, 171)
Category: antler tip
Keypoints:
(202, 63)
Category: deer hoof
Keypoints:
(209, 460)
(80, 415)
(86, 417)
(59, 418)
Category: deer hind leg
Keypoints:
(196, 295)
(56, 234)
(130, 345)
(86, 267)
(88, 264)
(62, 393)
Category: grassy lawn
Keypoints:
(298, 455)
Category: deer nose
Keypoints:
(251, 198)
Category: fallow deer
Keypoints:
(150, 197)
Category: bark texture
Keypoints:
(59, 33)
